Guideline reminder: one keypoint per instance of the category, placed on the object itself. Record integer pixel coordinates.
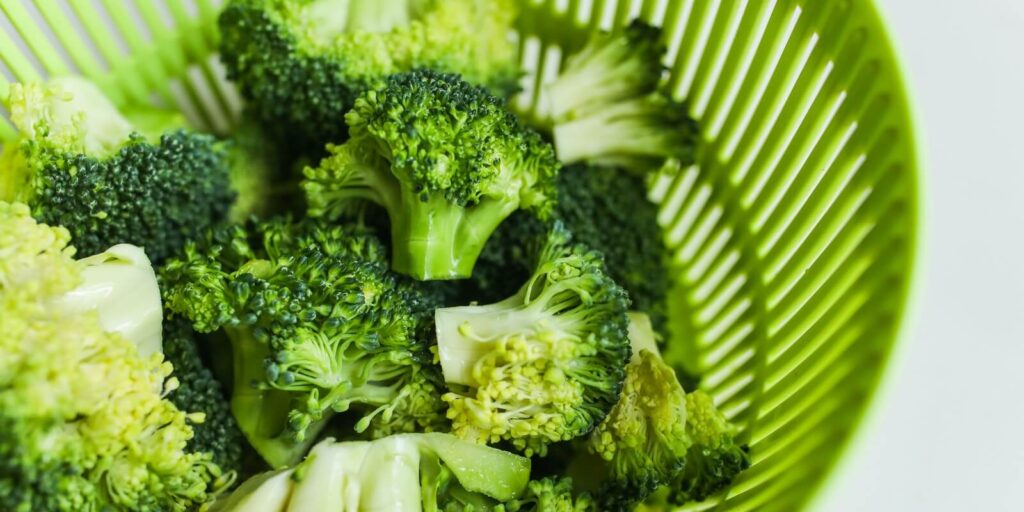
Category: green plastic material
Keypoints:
(793, 237)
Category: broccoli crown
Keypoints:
(714, 460)
(447, 162)
(550, 495)
(544, 365)
(84, 424)
(317, 324)
(80, 164)
(637, 134)
(301, 64)
(605, 106)
(643, 439)
(605, 209)
(610, 68)
(429, 472)
(200, 392)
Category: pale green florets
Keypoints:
(83, 420)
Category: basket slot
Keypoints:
(826, 211)
(150, 67)
(735, 67)
(695, 37)
(709, 69)
(36, 38)
(755, 83)
(653, 11)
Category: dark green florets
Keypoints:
(317, 325)
(200, 392)
(153, 195)
(301, 64)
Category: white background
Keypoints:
(946, 431)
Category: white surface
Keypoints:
(945, 433)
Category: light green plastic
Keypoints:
(793, 237)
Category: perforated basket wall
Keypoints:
(793, 237)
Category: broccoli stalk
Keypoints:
(120, 285)
(605, 107)
(81, 163)
(544, 365)
(445, 160)
(317, 325)
(408, 472)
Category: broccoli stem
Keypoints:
(261, 412)
(434, 239)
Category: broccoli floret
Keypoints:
(407, 472)
(544, 365)
(715, 458)
(550, 495)
(84, 424)
(447, 162)
(317, 324)
(82, 164)
(605, 209)
(605, 106)
(643, 440)
(200, 392)
(258, 173)
(302, 63)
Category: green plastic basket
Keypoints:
(793, 237)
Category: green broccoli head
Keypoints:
(317, 325)
(643, 440)
(605, 209)
(82, 164)
(610, 68)
(429, 472)
(84, 422)
(258, 173)
(447, 162)
(302, 63)
(200, 392)
(550, 495)
(544, 365)
(715, 458)
(605, 108)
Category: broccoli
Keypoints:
(605, 106)
(84, 424)
(82, 164)
(543, 365)
(301, 64)
(257, 173)
(447, 162)
(316, 323)
(550, 495)
(408, 472)
(715, 458)
(200, 392)
(643, 440)
(606, 210)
